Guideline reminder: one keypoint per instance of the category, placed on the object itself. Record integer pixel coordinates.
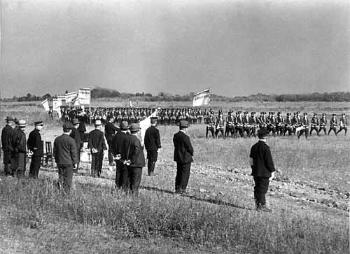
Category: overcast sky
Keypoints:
(232, 47)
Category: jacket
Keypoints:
(75, 134)
(19, 143)
(183, 151)
(136, 156)
(152, 139)
(6, 137)
(263, 164)
(35, 144)
(110, 130)
(120, 144)
(97, 141)
(64, 150)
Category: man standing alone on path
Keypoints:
(97, 145)
(262, 169)
(6, 136)
(136, 159)
(152, 144)
(65, 154)
(183, 156)
(35, 145)
(110, 130)
(120, 146)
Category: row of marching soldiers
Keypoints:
(244, 124)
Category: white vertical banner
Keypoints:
(45, 104)
(201, 98)
(70, 97)
(56, 104)
(84, 96)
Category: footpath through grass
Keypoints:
(38, 203)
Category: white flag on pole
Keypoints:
(45, 104)
(145, 124)
(201, 98)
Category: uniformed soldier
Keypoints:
(210, 125)
(230, 127)
(288, 125)
(343, 123)
(304, 126)
(19, 144)
(333, 123)
(220, 126)
(253, 122)
(110, 130)
(97, 145)
(239, 124)
(271, 123)
(323, 124)
(280, 124)
(315, 124)
(6, 143)
(35, 146)
(246, 125)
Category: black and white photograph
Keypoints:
(175, 126)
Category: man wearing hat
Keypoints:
(6, 136)
(183, 153)
(120, 146)
(65, 154)
(323, 124)
(135, 159)
(97, 144)
(304, 128)
(110, 130)
(152, 144)
(333, 123)
(315, 123)
(19, 144)
(75, 134)
(262, 169)
(35, 146)
(343, 123)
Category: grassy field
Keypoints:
(309, 200)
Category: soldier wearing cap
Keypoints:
(263, 169)
(120, 146)
(343, 123)
(136, 159)
(152, 144)
(279, 124)
(35, 146)
(65, 154)
(333, 123)
(19, 145)
(288, 127)
(110, 130)
(220, 125)
(315, 123)
(230, 127)
(183, 153)
(304, 126)
(210, 120)
(97, 144)
(323, 124)
(6, 144)
(75, 134)
(239, 124)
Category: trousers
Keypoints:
(65, 176)
(182, 176)
(96, 163)
(34, 167)
(135, 175)
(260, 190)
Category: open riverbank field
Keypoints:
(309, 199)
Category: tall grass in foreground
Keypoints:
(39, 202)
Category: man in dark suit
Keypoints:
(152, 144)
(120, 146)
(262, 169)
(183, 153)
(75, 134)
(110, 130)
(65, 154)
(97, 145)
(6, 136)
(19, 145)
(136, 159)
(35, 146)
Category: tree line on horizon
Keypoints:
(162, 96)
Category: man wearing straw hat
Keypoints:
(6, 136)
(35, 146)
(97, 145)
(19, 144)
(183, 153)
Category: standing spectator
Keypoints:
(97, 145)
(35, 145)
(75, 134)
(6, 136)
(82, 130)
(65, 154)
(120, 146)
(262, 169)
(136, 159)
(19, 144)
(152, 144)
(183, 156)
(110, 130)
